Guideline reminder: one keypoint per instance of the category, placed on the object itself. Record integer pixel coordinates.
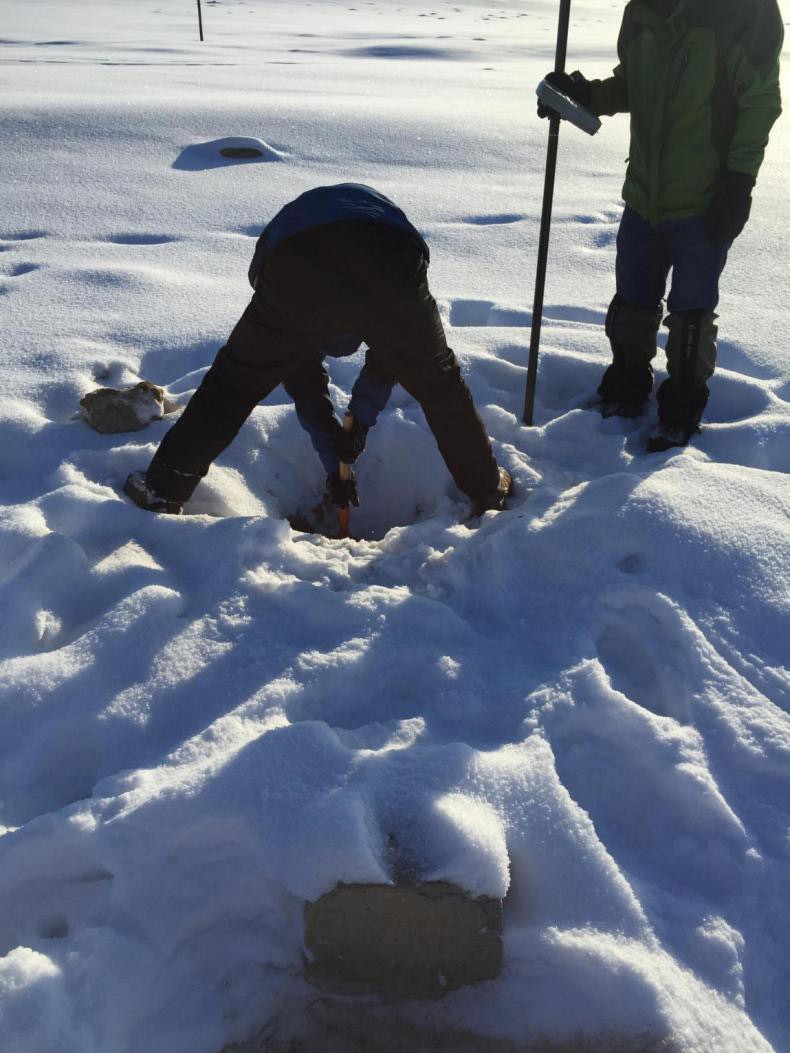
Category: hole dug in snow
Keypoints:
(401, 479)
(271, 470)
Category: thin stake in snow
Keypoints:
(200, 20)
(545, 220)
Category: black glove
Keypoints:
(350, 444)
(342, 492)
(575, 85)
(144, 497)
(730, 208)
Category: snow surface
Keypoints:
(204, 721)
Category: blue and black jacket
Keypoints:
(317, 208)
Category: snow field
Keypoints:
(581, 705)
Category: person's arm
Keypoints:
(752, 66)
(309, 389)
(610, 96)
(369, 396)
(371, 391)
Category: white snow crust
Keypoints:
(581, 704)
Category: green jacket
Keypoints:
(700, 79)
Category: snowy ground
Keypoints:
(204, 721)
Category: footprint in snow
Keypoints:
(735, 397)
(18, 269)
(495, 219)
(21, 235)
(605, 238)
(484, 313)
(633, 563)
(463, 313)
(642, 646)
(140, 239)
(41, 597)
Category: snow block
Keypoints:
(402, 941)
(109, 410)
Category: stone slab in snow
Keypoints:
(407, 941)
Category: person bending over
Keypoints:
(337, 266)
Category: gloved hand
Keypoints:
(730, 208)
(350, 444)
(144, 497)
(342, 492)
(575, 85)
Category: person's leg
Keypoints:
(308, 386)
(634, 316)
(404, 330)
(254, 361)
(697, 265)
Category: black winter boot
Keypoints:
(691, 359)
(627, 383)
(144, 497)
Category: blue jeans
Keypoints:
(646, 254)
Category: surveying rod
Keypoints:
(545, 219)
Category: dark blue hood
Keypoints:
(328, 204)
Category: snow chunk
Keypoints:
(33, 1006)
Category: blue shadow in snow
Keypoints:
(399, 51)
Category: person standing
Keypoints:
(337, 266)
(700, 79)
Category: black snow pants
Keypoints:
(349, 277)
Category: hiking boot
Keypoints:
(627, 383)
(143, 496)
(629, 410)
(664, 437)
(495, 501)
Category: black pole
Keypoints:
(200, 20)
(545, 220)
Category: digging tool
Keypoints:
(344, 471)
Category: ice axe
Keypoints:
(562, 108)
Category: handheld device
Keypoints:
(567, 108)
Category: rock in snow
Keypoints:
(109, 410)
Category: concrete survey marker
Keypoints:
(232, 149)
(402, 941)
(242, 152)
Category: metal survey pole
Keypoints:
(545, 219)
(200, 20)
